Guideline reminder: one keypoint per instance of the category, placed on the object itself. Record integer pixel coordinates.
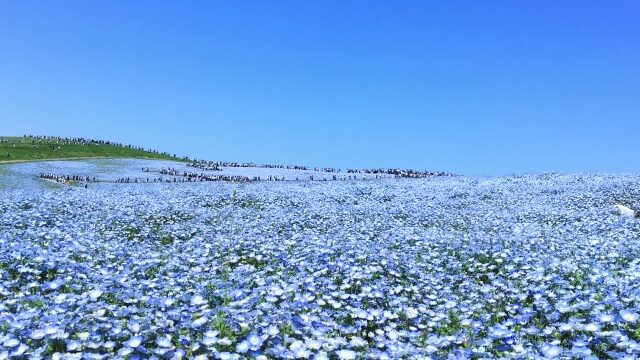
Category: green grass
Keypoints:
(31, 149)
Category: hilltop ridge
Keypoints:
(46, 148)
(39, 148)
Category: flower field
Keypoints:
(535, 266)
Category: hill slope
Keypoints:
(16, 149)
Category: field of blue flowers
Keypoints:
(536, 266)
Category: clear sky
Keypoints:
(472, 87)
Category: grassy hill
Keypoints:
(16, 149)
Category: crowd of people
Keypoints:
(205, 165)
(195, 177)
(130, 180)
(176, 176)
(172, 175)
(67, 179)
(218, 165)
(183, 178)
(402, 173)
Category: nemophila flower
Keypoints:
(411, 313)
(228, 356)
(581, 352)
(346, 354)
(591, 327)
(134, 327)
(580, 342)
(425, 274)
(75, 345)
(209, 339)
(313, 344)
(200, 321)
(10, 343)
(134, 341)
(500, 332)
(550, 351)
(255, 341)
(37, 334)
(163, 342)
(243, 347)
(301, 353)
(95, 294)
(22, 348)
(606, 318)
(629, 316)
(518, 348)
(225, 341)
(272, 330)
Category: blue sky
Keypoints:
(472, 87)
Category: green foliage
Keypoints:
(220, 324)
(109, 298)
(56, 346)
(48, 275)
(213, 298)
(576, 278)
(166, 240)
(251, 204)
(36, 304)
(401, 216)
(131, 231)
(286, 329)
